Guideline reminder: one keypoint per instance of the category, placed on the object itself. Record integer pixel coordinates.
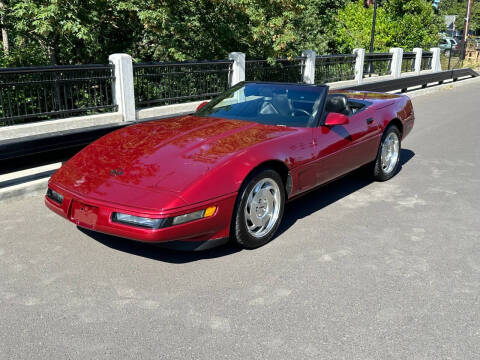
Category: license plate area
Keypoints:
(84, 215)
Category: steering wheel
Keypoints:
(302, 111)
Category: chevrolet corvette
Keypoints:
(225, 172)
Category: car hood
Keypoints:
(163, 156)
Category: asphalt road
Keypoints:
(360, 270)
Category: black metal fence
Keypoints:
(330, 68)
(464, 53)
(51, 92)
(377, 64)
(408, 61)
(282, 70)
(426, 63)
(42, 93)
(177, 82)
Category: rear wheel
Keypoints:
(259, 209)
(388, 156)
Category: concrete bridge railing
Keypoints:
(54, 99)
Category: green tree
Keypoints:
(206, 29)
(64, 32)
(459, 8)
(281, 27)
(400, 23)
(413, 23)
(185, 29)
(87, 31)
(83, 31)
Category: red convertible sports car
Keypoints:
(226, 171)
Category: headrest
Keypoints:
(337, 103)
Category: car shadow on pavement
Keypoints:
(330, 193)
(297, 209)
(156, 252)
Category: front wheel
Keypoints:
(259, 210)
(388, 156)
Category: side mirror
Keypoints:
(202, 105)
(336, 119)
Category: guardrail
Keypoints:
(408, 61)
(331, 68)
(177, 82)
(284, 70)
(426, 62)
(32, 95)
(454, 55)
(378, 64)
(11, 149)
(52, 92)
(411, 81)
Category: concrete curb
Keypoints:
(49, 126)
(20, 191)
(26, 183)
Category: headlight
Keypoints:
(187, 217)
(150, 223)
(55, 196)
(194, 215)
(138, 221)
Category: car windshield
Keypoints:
(269, 103)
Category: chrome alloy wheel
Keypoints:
(262, 208)
(390, 152)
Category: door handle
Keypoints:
(369, 121)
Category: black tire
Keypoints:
(239, 233)
(379, 173)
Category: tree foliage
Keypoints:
(400, 23)
(87, 31)
(459, 8)
(211, 28)
(64, 32)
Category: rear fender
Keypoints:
(400, 110)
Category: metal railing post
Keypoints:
(308, 75)
(418, 60)
(359, 63)
(122, 87)
(238, 67)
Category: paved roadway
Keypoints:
(360, 270)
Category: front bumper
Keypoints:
(204, 229)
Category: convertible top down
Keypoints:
(226, 171)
